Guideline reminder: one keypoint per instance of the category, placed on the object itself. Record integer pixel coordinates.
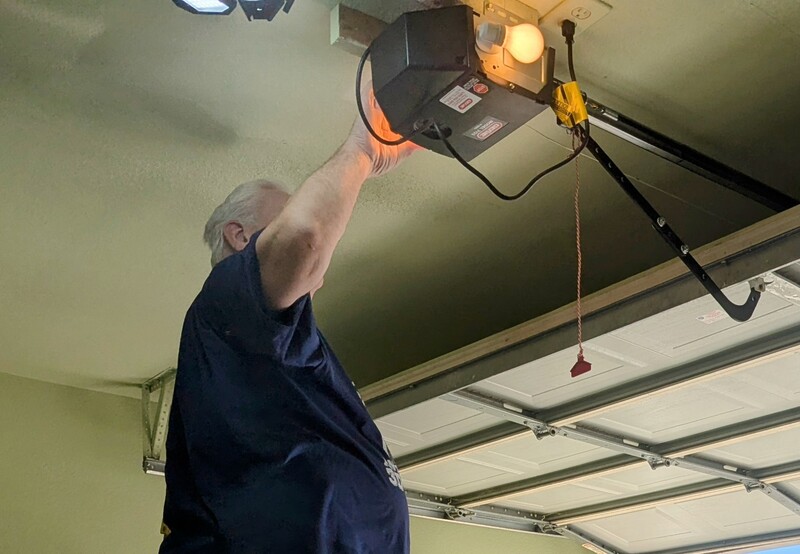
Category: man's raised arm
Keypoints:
(295, 249)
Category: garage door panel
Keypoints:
(430, 423)
(700, 521)
(616, 486)
(511, 461)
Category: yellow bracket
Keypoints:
(569, 105)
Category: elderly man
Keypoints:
(270, 447)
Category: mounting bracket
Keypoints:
(154, 427)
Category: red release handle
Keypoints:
(580, 367)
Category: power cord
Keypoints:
(568, 32)
(359, 104)
(489, 184)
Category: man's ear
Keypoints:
(235, 236)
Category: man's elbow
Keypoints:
(308, 249)
(292, 262)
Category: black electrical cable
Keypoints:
(489, 184)
(568, 31)
(359, 71)
(569, 60)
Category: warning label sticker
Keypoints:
(460, 99)
(476, 86)
(487, 127)
(712, 317)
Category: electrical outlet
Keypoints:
(584, 13)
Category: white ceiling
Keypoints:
(122, 124)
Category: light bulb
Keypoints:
(525, 42)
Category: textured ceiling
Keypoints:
(123, 124)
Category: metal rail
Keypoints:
(621, 445)
(688, 158)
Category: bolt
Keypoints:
(661, 221)
(684, 249)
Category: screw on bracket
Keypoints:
(541, 431)
(759, 284)
(458, 513)
(656, 463)
(754, 485)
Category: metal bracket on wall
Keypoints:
(154, 426)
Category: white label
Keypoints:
(460, 99)
(712, 317)
(486, 128)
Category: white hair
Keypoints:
(243, 204)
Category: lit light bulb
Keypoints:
(525, 42)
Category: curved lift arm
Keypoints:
(737, 312)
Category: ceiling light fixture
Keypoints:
(264, 9)
(207, 7)
(253, 9)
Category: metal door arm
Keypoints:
(737, 312)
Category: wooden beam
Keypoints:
(433, 4)
(352, 30)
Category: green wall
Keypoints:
(70, 476)
(71, 483)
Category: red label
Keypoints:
(465, 103)
(480, 88)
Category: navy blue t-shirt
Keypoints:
(270, 448)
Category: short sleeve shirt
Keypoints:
(270, 448)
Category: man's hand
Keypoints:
(382, 157)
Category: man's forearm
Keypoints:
(324, 202)
(298, 245)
